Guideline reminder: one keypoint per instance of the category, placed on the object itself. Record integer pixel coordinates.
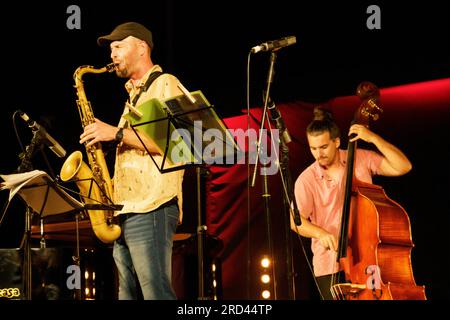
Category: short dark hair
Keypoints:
(323, 122)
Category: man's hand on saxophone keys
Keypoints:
(97, 132)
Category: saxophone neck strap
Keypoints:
(152, 77)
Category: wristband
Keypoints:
(119, 135)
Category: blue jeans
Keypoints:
(145, 250)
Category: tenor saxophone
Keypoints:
(94, 182)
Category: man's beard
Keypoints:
(325, 162)
(122, 72)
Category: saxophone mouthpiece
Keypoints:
(112, 66)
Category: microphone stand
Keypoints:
(273, 57)
(266, 194)
(284, 167)
(27, 154)
(266, 198)
(26, 166)
(288, 194)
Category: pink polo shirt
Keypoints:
(320, 199)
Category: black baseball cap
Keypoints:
(126, 29)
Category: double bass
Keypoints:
(375, 242)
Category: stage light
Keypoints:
(265, 262)
(265, 278)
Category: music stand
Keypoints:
(182, 127)
(45, 197)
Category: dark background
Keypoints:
(206, 45)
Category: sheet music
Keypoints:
(14, 182)
(44, 198)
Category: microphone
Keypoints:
(275, 44)
(279, 121)
(48, 139)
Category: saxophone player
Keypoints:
(152, 201)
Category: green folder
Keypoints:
(177, 126)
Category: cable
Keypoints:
(15, 130)
(248, 178)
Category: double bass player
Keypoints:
(319, 188)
